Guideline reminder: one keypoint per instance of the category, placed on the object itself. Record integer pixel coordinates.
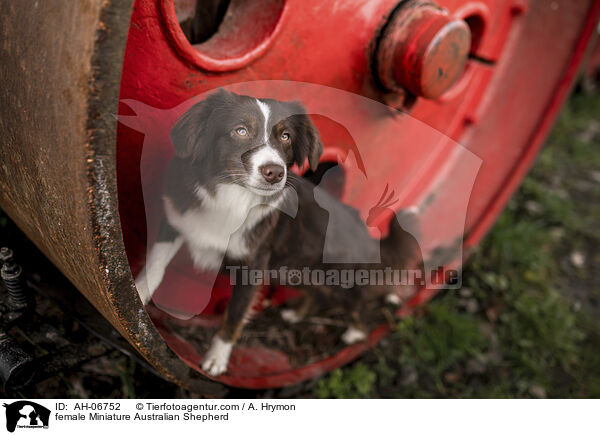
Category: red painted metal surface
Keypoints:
(524, 56)
(258, 21)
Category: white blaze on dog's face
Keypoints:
(236, 139)
(268, 169)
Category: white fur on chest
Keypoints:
(219, 225)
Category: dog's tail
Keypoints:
(400, 249)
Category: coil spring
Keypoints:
(11, 277)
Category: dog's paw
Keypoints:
(400, 295)
(353, 335)
(216, 359)
(290, 316)
(394, 299)
(214, 366)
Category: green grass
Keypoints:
(357, 382)
(526, 323)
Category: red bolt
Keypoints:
(423, 50)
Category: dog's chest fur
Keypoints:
(219, 224)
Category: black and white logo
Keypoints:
(25, 414)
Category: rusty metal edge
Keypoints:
(131, 318)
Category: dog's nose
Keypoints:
(272, 173)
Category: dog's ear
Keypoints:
(192, 131)
(306, 142)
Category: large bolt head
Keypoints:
(423, 50)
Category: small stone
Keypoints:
(557, 233)
(590, 132)
(577, 259)
(492, 314)
(486, 329)
(583, 186)
(472, 306)
(577, 306)
(409, 376)
(533, 207)
(538, 392)
(475, 366)
(561, 193)
(494, 356)
(595, 175)
(466, 292)
(51, 335)
(452, 377)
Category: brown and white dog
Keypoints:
(225, 190)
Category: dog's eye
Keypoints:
(285, 136)
(242, 131)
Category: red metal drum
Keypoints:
(473, 86)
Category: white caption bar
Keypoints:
(300, 416)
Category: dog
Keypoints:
(225, 189)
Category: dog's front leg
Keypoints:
(169, 241)
(237, 314)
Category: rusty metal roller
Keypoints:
(61, 72)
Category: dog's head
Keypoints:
(231, 138)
